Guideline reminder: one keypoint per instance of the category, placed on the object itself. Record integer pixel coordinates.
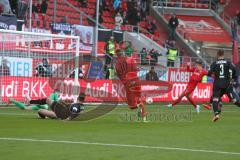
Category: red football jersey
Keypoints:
(197, 74)
(124, 66)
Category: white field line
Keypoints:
(118, 145)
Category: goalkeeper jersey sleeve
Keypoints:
(54, 97)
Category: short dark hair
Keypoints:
(81, 96)
(152, 67)
(220, 52)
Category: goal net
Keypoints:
(37, 63)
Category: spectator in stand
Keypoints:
(178, 3)
(154, 57)
(84, 3)
(151, 26)
(22, 9)
(152, 75)
(105, 5)
(238, 17)
(128, 49)
(38, 6)
(6, 6)
(138, 5)
(100, 19)
(116, 4)
(124, 6)
(132, 13)
(14, 5)
(138, 18)
(110, 72)
(44, 69)
(173, 24)
(167, 44)
(172, 54)
(44, 6)
(125, 18)
(143, 55)
(1, 8)
(118, 21)
(35, 9)
(110, 51)
(143, 23)
(144, 6)
(4, 69)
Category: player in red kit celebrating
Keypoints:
(197, 74)
(126, 70)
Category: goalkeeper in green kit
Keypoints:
(38, 103)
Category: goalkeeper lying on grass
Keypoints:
(38, 103)
(52, 107)
(62, 110)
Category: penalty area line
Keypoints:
(118, 145)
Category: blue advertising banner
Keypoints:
(8, 22)
(95, 70)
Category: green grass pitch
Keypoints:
(170, 134)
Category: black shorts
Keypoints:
(219, 92)
(64, 110)
(61, 109)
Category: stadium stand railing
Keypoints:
(183, 4)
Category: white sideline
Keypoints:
(117, 145)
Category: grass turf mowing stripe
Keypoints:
(17, 114)
(117, 145)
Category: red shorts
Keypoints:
(133, 95)
(133, 90)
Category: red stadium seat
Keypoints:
(205, 6)
(123, 28)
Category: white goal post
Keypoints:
(33, 63)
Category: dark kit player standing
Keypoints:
(223, 71)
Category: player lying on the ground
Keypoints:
(63, 110)
(223, 71)
(36, 104)
(126, 70)
(197, 74)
